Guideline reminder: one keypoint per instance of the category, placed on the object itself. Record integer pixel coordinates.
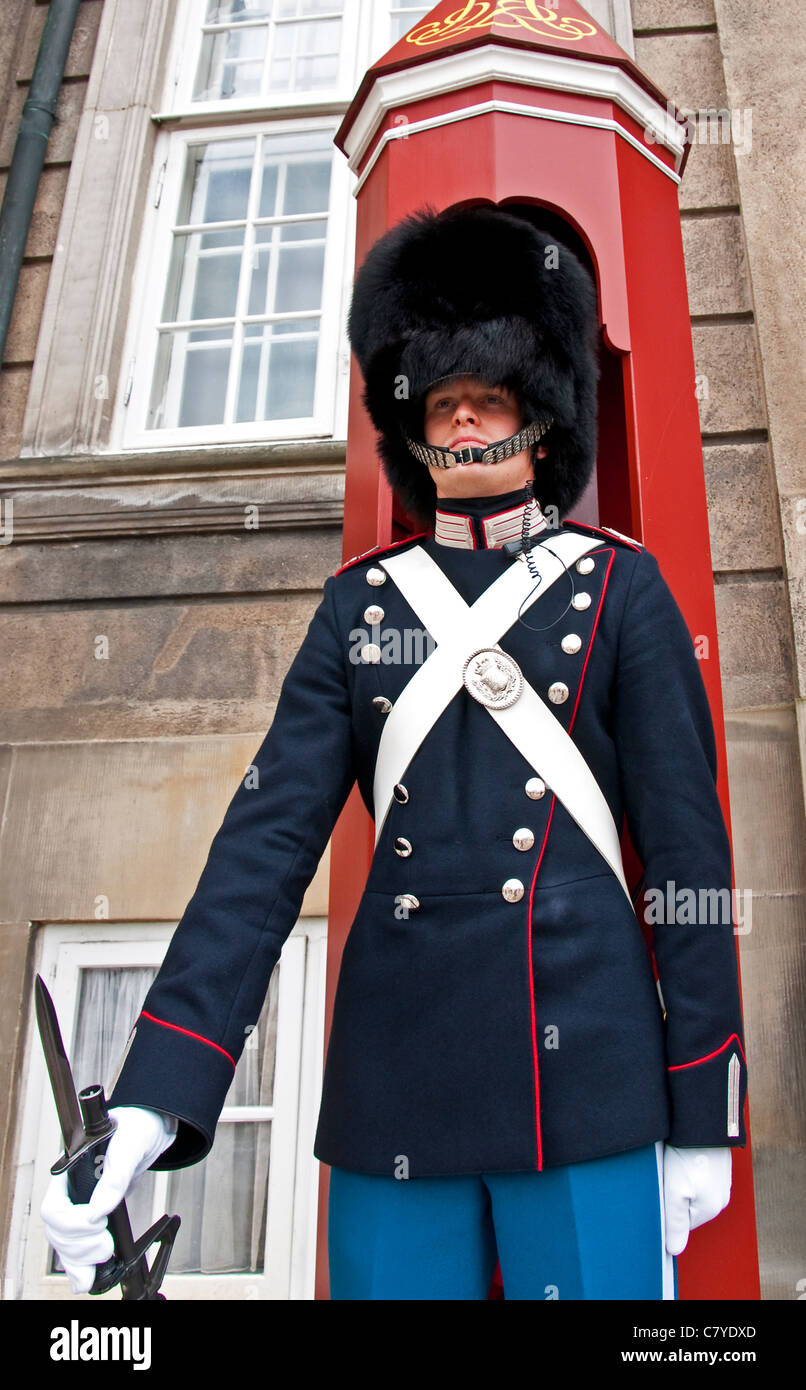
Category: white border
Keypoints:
(532, 69)
(402, 132)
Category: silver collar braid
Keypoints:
(436, 457)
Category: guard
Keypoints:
(505, 1077)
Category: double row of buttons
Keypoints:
(535, 788)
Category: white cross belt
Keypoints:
(460, 630)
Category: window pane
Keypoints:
(203, 275)
(268, 190)
(231, 11)
(217, 182)
(231, 64)
(264, 360)
(222, 1203)
(303, 231)
(307, 187)
(204, 385)
(299, 278)
(292, 378)
(305, 56)
(405, 18)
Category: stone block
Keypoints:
(716, 269)
(148, 671)
(14, 384)
(754, 632)
(743, 516)
(82, 43)
(728, 370)
(709, 179)
(688, 68)
(112, 568)
(671, 14)
(27, 313)
(118, 830)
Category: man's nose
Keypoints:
(466, 410)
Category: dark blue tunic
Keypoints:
(476, 1034)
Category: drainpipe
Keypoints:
(38, 115)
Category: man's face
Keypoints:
(466, 410)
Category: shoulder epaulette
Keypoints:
(607, 531)
(378, 550)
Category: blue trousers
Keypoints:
(592, 1230)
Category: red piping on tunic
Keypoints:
(534, 880)
(378, 550)
(532, 987)
(587, 526)
(593, 634)
(680, 1066)
(188, 1034)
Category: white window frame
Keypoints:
(178, 96)
(151, 276)
(292, 1197)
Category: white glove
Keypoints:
(696, 1188)
(78, 1232)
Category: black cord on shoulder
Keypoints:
(526, 543)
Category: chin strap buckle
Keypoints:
(434, 456)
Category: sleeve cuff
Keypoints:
(173, 1070)
(707, 1099)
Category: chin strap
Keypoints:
(435, 457)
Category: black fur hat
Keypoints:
(477, 290)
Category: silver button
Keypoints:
(408, 900)
(376, 576)
(381, 703)
(371, 652)
(585, 565)
(571, 643)
(558, 692)
(580, 601)
(535, 788)
(512, 890)
(523, 838)
(400, 793)
(403, 847)
(373, 614)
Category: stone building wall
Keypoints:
(114, 775)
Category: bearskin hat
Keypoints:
(481, 291)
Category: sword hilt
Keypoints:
(128, 1266)
(84, 1170)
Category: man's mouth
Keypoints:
(464, 442)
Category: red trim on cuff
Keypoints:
(680, 1066)
(188, 1034)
